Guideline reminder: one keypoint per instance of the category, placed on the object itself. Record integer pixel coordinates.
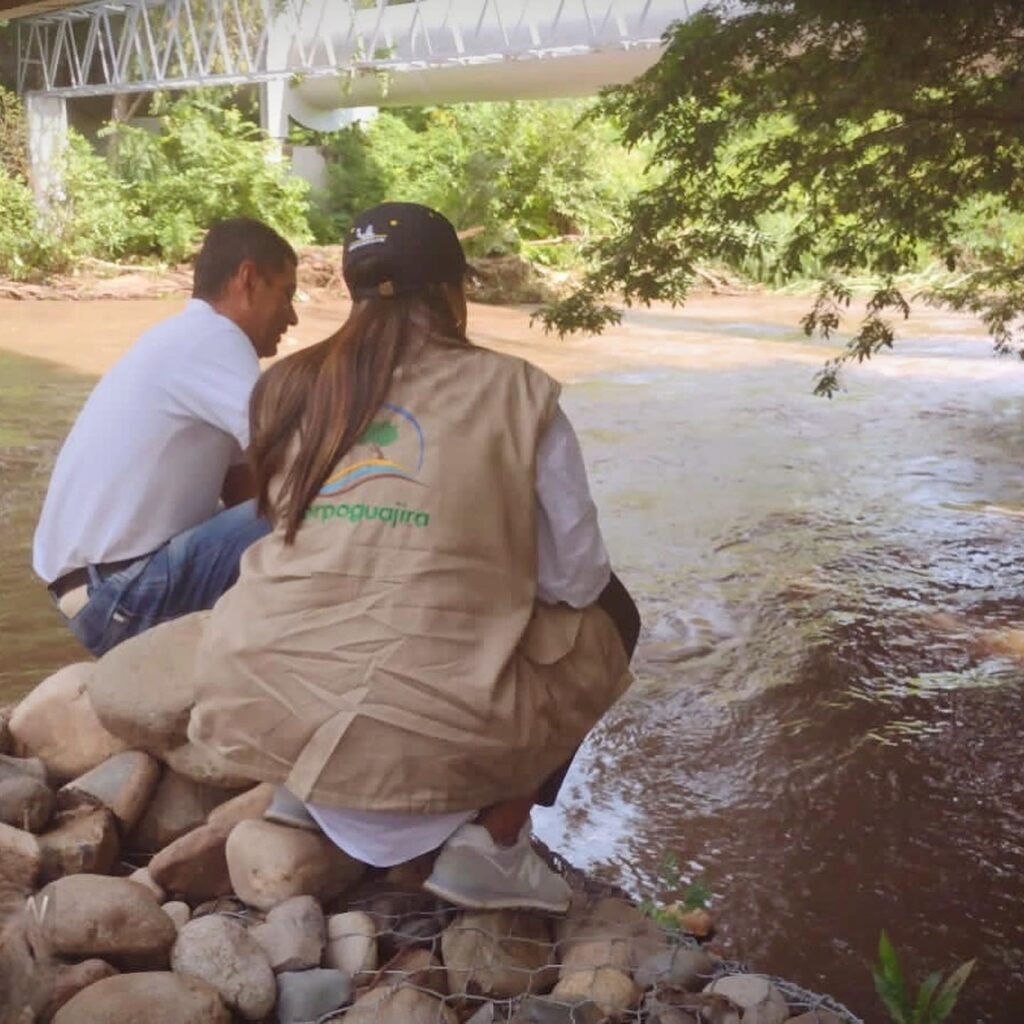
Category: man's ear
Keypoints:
(246, 277)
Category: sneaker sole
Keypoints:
(284, 819)
(493, 902)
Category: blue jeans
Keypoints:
(188, 574)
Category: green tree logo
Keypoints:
(378, 436)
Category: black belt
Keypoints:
(80, 577)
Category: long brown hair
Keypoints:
(308, 410)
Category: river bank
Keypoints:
(805, 735)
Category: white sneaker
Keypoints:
(474, 871)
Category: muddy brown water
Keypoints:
(827, 723)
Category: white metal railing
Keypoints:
(142, 45)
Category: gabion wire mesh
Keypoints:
(517, 956)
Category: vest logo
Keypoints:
(400, 432)
(366, 236)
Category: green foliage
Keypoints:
(205, 164)
(519, 171)
(685, 896)
(832, 138)
(935, 998)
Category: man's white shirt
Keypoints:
(147, 456)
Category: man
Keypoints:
(130, 534)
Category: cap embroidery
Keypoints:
(366, 236)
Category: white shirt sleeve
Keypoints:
(215, 384)
(573, 564)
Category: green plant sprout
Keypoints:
(935, 998)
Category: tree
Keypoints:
(872, 131)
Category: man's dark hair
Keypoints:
(228, 245)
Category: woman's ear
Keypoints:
(455, 296)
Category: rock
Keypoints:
(180, 913)
(250, 804)
(100, 916)
(293, 935)
(499, 953)
(57, 724)
(270, 863)
(143, 690)
(178, 806)
(221, 952)
(70, 979)
(677, 966)
(414, 966)
(194, 866)
(351, 944)
(760, 1000)
(202, 765)
(26, 968)
(146, 998)
(6, 743)
(83, 841)
(25, 803)
(20, 859)
(19, 767)
(306, 996)
(399, 1006)
(124, 784)
(541, 1010)
(142, 877)
(607, 932)
(817, 1017)
(613, 991)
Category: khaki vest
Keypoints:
(393, 658)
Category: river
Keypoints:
(825, 727)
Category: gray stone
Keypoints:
(124, 784)
(221, 952)
(25, 802)
(546, 1010)
(293, 935)
(304, 997)
(18, 767)
(70, 979)
(141, 876)
(180, 913)
(677, 966)
(156, 996)
(194, 866)
(760, 1000)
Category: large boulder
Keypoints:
(143, 690)
(56, 723)
(250, 804)
(613, 991)
(222, 953)
(271, 863)
(146, 998)
(606, 932)
(203, 765)
(100, 916)
(306, 996)
(70, 979)
(502, 953)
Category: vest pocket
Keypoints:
(551, 633)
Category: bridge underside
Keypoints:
(321, 60)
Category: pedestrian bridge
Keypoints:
(322, 58)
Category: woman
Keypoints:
(419, 646)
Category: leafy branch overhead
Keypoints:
(828, 139)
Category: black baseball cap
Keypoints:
(411, 246)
